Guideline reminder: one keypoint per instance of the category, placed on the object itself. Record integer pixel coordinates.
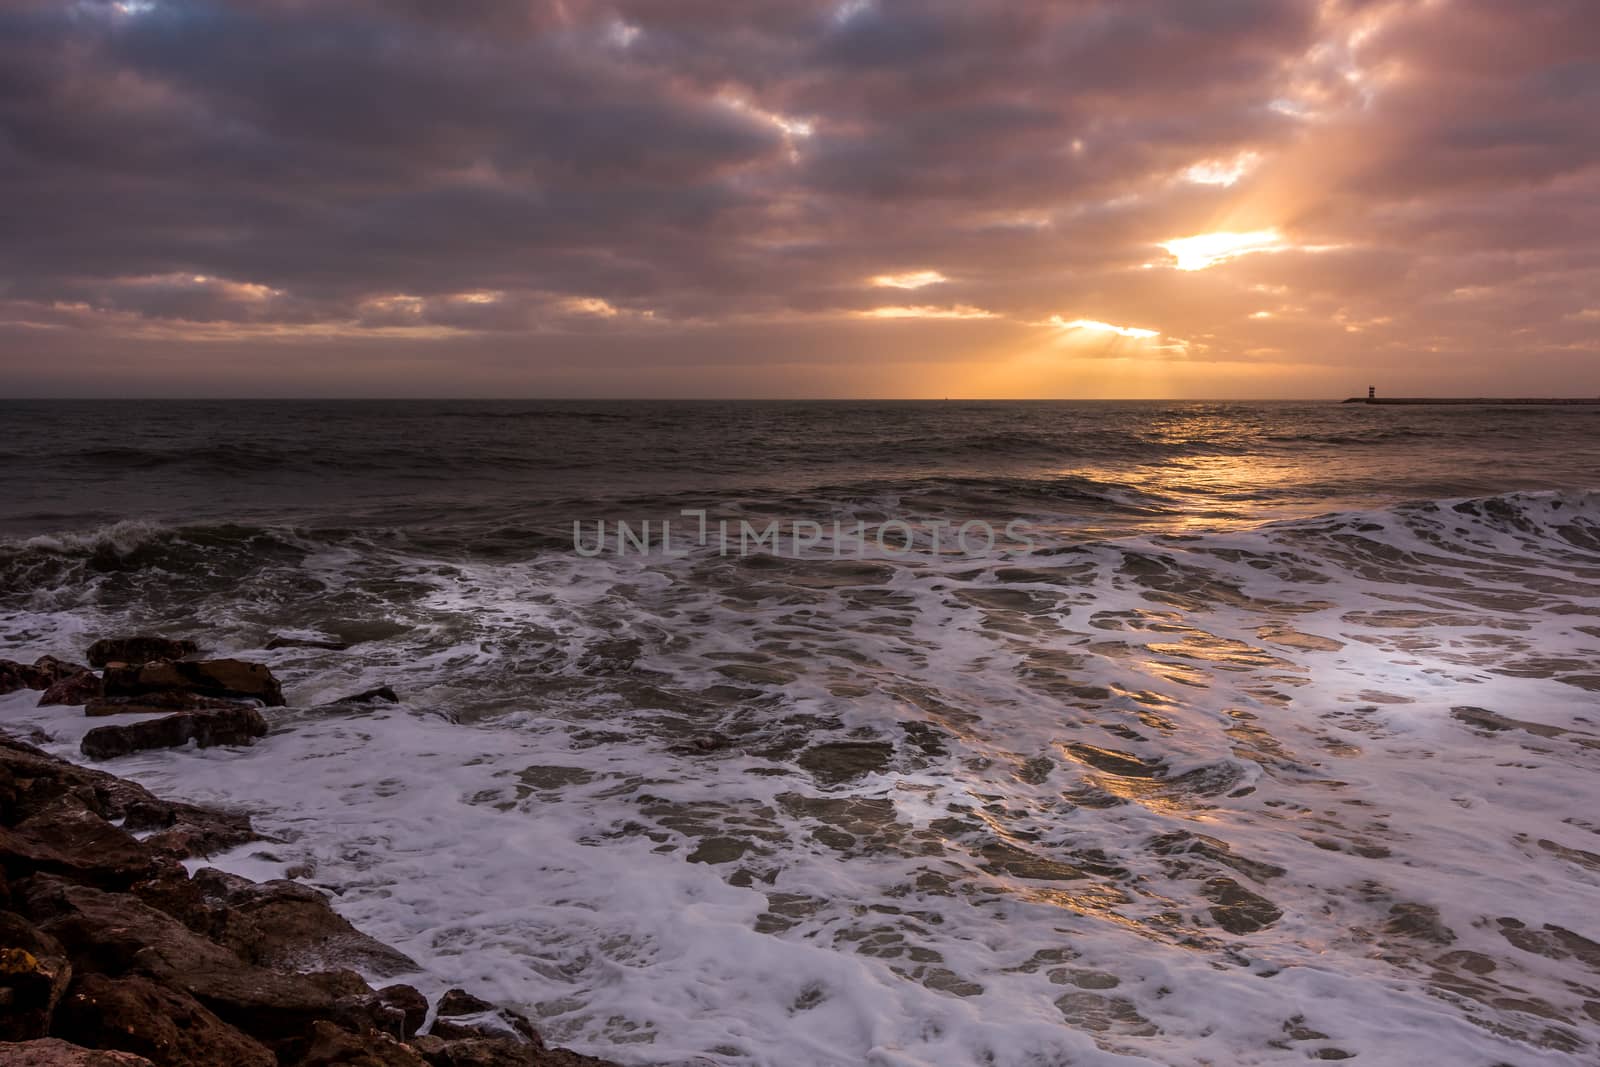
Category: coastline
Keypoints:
(121, 944)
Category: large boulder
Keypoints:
(53, 1052)
(134, 1014)
(14, 676)
(143, 648)
(331, 1046)
(42, 674)
(73, 691)
(118, 934)
(32, 781)
(67, 837)
(34, 972)
(238, 725)
(289, 926)
(233, 678)
(157, 704)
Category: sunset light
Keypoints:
(1209, 249)
(799, 533)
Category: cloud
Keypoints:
(648, 181)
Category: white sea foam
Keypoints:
(1005, 883)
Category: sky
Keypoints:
(786, 198)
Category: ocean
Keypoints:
(886, 734)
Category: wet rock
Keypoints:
(837, 762)
(41, 674)
(157, 703)
(31, 781)
(134, 1014)
(15, 676)
(215, 677)
(34, 972)
(49, 670)
(464, 1017)
(66, 837)
(143, 648)
(276, 642)
(223, 726)
(73, 691)
(458, 1002)
(53, 1052)
(406, 1006)
(381, 694)
(498, 1052)
(118, 934)
(332, 1046)
(289, 926)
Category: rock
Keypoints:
(238, 725)
(408, 1007)
(53, 1052)
(50, 670)
(143, 648)
(157, 703)
(34, 972)
(276, 642)
(498, 1052)
(15, 676)
(457, 1002)
(74, 690)
(214, 677)
(331, 1046)
(31, 781)
(134, 1014)
(68, 838)
(118, 934)
(489, 1021)
(383, 693)
(289, 926)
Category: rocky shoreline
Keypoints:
(113, 953)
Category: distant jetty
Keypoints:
(1491, 401)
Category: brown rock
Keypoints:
(331, 1046)
(42, 674)
(289, 926)
(50, 670)
(498, 1052)
(74, 690)
(118, 934)
(406, 1007)
(383, 693)
(14, 676)
(239, 725)
(157, 703)
(134, 1014)
(31, 781)
(460, 1002)
(67, 837)
(53, 1052)
(143, 648)
(214, 677)
(34, 972)
(277, 642)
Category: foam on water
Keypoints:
(1250, 797)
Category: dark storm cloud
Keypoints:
(662, 179)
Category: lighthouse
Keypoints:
(1372, 392)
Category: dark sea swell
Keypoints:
(1278, 745)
